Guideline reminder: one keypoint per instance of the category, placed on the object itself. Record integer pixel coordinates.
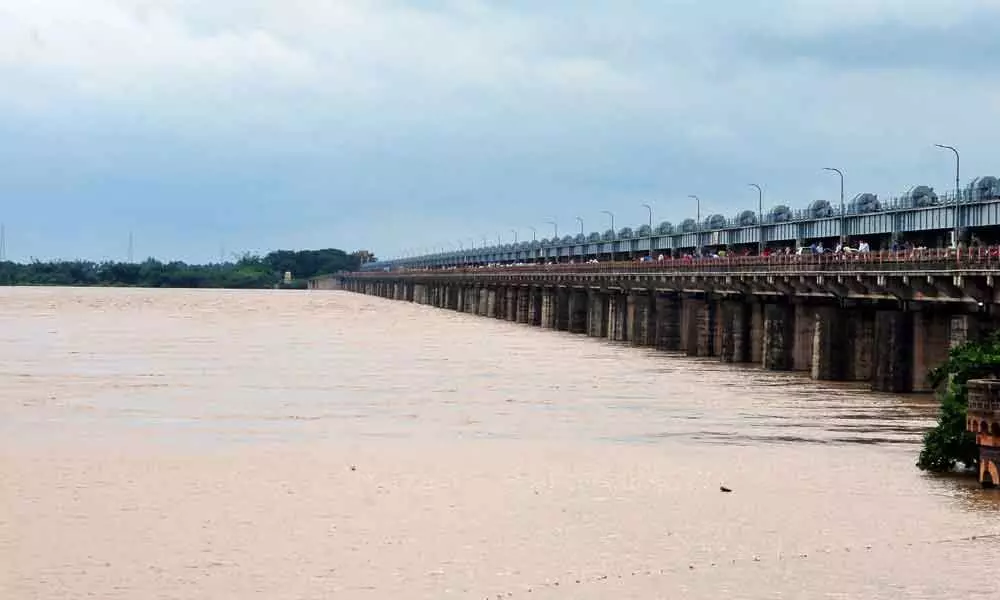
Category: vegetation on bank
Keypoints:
(249, 271)
(949, 445)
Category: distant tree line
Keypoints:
(247, 272)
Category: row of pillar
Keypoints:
(889, 347)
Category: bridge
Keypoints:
(884, 318)
(921, 216)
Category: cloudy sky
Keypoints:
(408, 126)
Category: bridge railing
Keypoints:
(939, 259)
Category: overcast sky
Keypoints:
(401, 126)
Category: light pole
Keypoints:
(514, 231)
(555, 227)
(760, 218)
(697, 225)
(843, 233)
(958, 185)
(612, 215)
(534, 233)
(650, 209)
(614, 235)
(580, 220)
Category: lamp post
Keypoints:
(612, 215)
(958, 186)
(534, 233)
(843, 233)
(614, 235)
(514, 231)
(580, 220)
(650, 209)
(697, 225)
(555, 227)
(760, 218)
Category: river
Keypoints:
(228, 444)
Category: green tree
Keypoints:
(248, 271)
(948, 445)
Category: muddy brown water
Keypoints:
(207, 444)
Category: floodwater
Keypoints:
(207, 444)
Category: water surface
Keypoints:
(208, 444)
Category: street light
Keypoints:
(697, 225)
(843, 234)
(534, 233)
(555, 228)
(958, 186)
(650, 209)
(580, 220)
(612, 215)
(514, 231)
(760, 218)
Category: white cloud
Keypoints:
(498, 107)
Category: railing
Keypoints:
(900, 202)
(972, 259)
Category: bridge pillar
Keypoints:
(893, 351)
(734, 331)
(560, 309)
(617, 317)
(861, 344)
(779, 330)
(510, 303)
(805, 330)
(535, 306)
(501, 298)
(700, 326)
(491, 303)
(408, 287)
(668, 322)
(550, 304)
(578, 311)
(523, 296)
(459, 294)
(597, 313)
(931, 342)
(642, 319)
(757, 332)
(831, 350)
(472, 299)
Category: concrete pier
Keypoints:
(668, 322)
(779, 336)
(597, 314)
(859, 332)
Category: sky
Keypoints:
(231, 126)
